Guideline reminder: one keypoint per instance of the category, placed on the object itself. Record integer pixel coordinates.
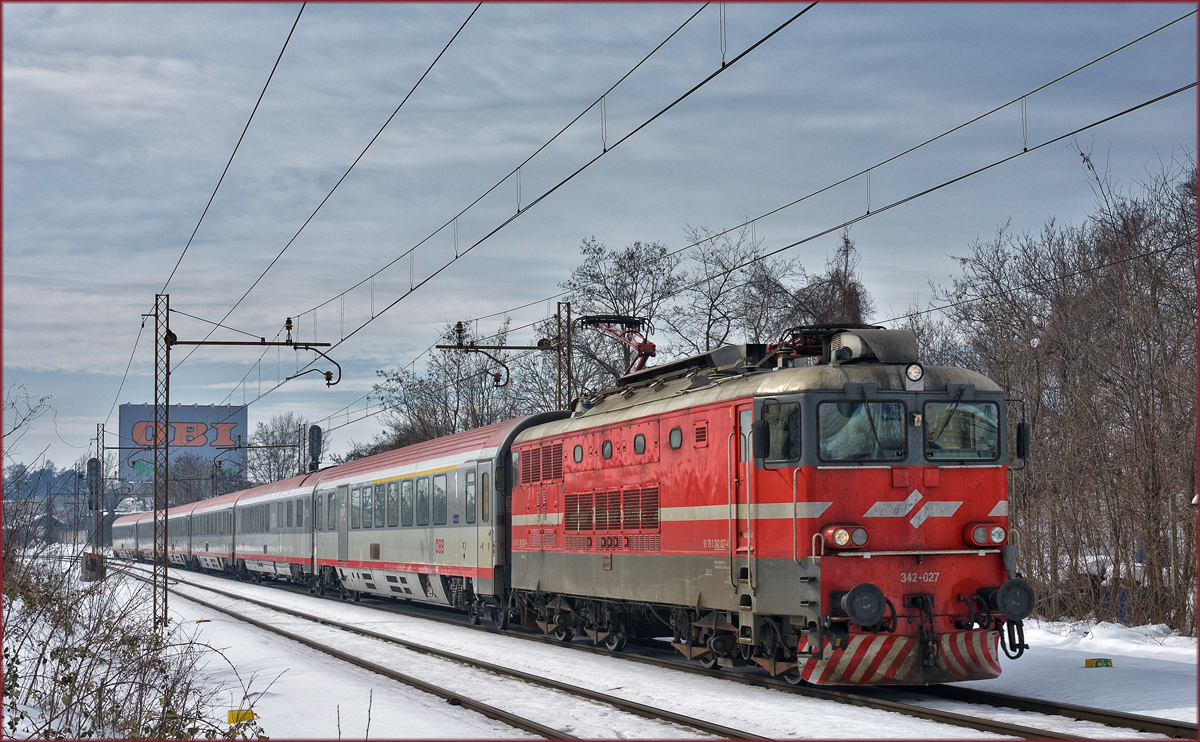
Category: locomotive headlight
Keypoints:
(997, 534)
(914, 372)
(844, 536)
(979, 535)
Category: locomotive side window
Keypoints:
(783, 431)
(639, 443)
(578, 454)
(962, 430)
(406, 502)
(486, 499)
(606, 450)
(470, 495)
(379, 506)
(393, 504)
(368, 507)
(861, 431)
(355, 508)
(439, 499)
(423, 501)
(676, 438)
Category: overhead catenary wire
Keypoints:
(235, 150)
(934, 189)
(994, 110)
(600, 101)
(414, 285)
(329, 195)
(220, 180)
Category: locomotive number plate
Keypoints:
(919, 576)
(716, 544)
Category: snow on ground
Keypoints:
(1154, 673)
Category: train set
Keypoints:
(823, 507)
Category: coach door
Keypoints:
(486, 555)
(343, 523)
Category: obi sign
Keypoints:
(200, 431)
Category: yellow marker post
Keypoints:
(1098, 662)
(241, 715)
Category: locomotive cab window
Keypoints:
(964, 431)
(782, 430)
(861, 431)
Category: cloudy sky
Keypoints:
(119, 120)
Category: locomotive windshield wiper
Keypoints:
(871, 420)
(950, 414)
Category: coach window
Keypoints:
(355, 508)
(289, 513)
(368, 505)
(606, 450)
(379, 506)
(783, 430)
(331, 512)
(485, 498)
(423, 501)
(439, 499)
(406, 503)
(639, 444)
(578, 454)
(470, 495)
(393, 504)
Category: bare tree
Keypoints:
(636, 281)
(1094, 326)
(280, 461)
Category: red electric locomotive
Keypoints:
(823, 507)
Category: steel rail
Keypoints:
(1138, 722)
(621, 704)
(1167, 727)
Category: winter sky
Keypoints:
(120, 119)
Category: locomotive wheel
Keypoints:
(709, 661)
(793, 677)
(563, 633)
(616, 641)
(501, 616)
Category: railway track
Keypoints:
(882, 697)
(457, 697)
(868, 698)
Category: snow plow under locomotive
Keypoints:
(823, 507)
